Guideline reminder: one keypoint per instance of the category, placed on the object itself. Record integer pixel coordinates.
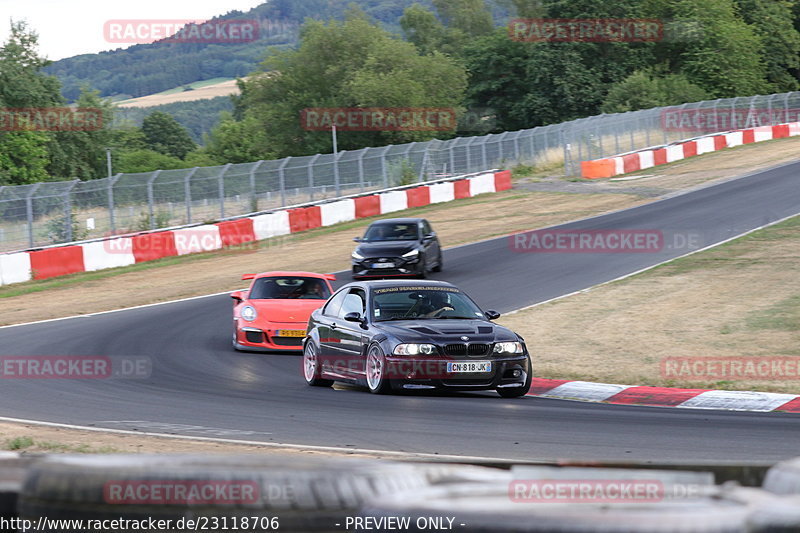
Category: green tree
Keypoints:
(23, 157)
(344, 64)
(645, 89)
(422, 29)
(472, 17)
(233, 141)
(146, 161)
(773, 23)
(163, 134)
(720, 52)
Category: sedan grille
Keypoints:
(466, 349)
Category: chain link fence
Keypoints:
(49, 213)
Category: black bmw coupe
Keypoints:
(394, 335)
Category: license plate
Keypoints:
(291, 333)
(470, 366)
(382, 265)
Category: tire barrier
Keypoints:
(300, 493)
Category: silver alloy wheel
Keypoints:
(309, 362)
(374, 368)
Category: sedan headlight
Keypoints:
(411, 255)
(508, 347)
(248, 313)
(357, 256)
(414, 349)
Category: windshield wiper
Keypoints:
(397, 318)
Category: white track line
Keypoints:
(300, 447)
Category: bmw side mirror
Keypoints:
(356, 317)
(491, 314)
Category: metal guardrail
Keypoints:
(47, 213)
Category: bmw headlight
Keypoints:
(508, 347)
(414, 349)
(248, 313)
(357, 256)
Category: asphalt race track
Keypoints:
(200, 386)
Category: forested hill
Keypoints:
(150, 68)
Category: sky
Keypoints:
(71, 27)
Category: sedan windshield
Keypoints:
(401, 303)
(392, 232)
(285, 288)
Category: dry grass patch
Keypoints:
(321, 250)
(740, 299)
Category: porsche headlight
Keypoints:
(357, 256)
(248, 313)
(508, 347)
(414, 349)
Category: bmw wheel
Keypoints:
(311, 367)
(376, 371)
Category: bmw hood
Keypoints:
(385, 249)
(447, 331)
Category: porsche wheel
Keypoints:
(311, 367)
(376, 371)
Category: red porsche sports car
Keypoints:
(273, 313)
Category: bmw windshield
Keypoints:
(404, 303)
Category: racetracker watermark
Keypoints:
(724, 119)
(379, 118)
(51, 119)
(597, 491)
(588, 241)
(145, 31)
(75, 367)
(187, 492)
(586, 30)
(731, 368)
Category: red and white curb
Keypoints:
(586, 391)
(650, 157)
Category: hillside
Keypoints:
(203, 92)
(146, 69)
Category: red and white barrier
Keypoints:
(336, 212)
(643, 159)
(15, 268)
(118, 251)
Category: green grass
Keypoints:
(24, 443)
(783, 316)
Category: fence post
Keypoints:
(500, 147)
(384, 170)
(253, 195)
(786, 108)
(187, 193)
(567, 155)
(421, 176)
(484, 141)
(112, 219)
(336, 180)
(361, 169)
(451, 153)
(310, 169)
(222, 190)
(150, 200)
(282, 180)
(469, 158)
(29, 211)
(68, 210)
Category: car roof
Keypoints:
(398, 221)
(290, 273)
(382, 283)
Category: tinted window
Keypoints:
(333, 306)
(392, 232)
(426, 228)
(353, 303)
(422, 302)
(285, 288)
